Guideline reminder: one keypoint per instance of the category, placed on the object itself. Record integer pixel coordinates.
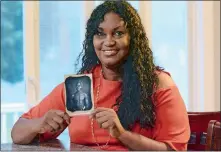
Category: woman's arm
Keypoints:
(171, 130)
(25, 130)
(108, 119)
(172, 127)
(136, 141)
(42, 119)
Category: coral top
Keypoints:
(172, 125)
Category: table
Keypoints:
(52, 145)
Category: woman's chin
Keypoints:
(111, 65)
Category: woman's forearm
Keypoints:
(24, 131)
(138, 142)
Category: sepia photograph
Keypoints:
(78, 94)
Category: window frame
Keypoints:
(203, 56)
(31, 51)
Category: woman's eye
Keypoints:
(100, 34)
(118, 33)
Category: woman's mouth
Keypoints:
(110, 52)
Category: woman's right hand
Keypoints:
(53, 121)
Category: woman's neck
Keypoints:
(111, 74)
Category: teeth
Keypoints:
(110, 52)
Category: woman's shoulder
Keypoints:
(165, 80)
(166, 85)
(167, 89)
(58, 90)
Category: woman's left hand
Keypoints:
(108, 119)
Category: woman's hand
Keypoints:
(53, 121)
(108, 119)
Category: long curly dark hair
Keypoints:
(135, 102)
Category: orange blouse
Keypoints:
(172, 125)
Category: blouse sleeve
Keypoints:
(55, 100)
(172, 124)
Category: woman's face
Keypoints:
(111, 42)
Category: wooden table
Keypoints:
(52, 145)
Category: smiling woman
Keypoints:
(111, 42)
(134, 98)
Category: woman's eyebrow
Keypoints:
(101, 29)
(118, 27)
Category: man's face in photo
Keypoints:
(79, 86)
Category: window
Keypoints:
(169, 41)
(12, 64)
(135, 4)
(13, 95)
(60, 41)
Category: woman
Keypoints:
(138, 106)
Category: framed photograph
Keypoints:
(79, 94)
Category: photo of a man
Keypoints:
(79, 98)
(78, 94)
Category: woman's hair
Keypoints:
(138, 71)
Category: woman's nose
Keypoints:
(109, 41)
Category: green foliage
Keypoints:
(12, 68)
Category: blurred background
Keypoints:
(40, 42)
